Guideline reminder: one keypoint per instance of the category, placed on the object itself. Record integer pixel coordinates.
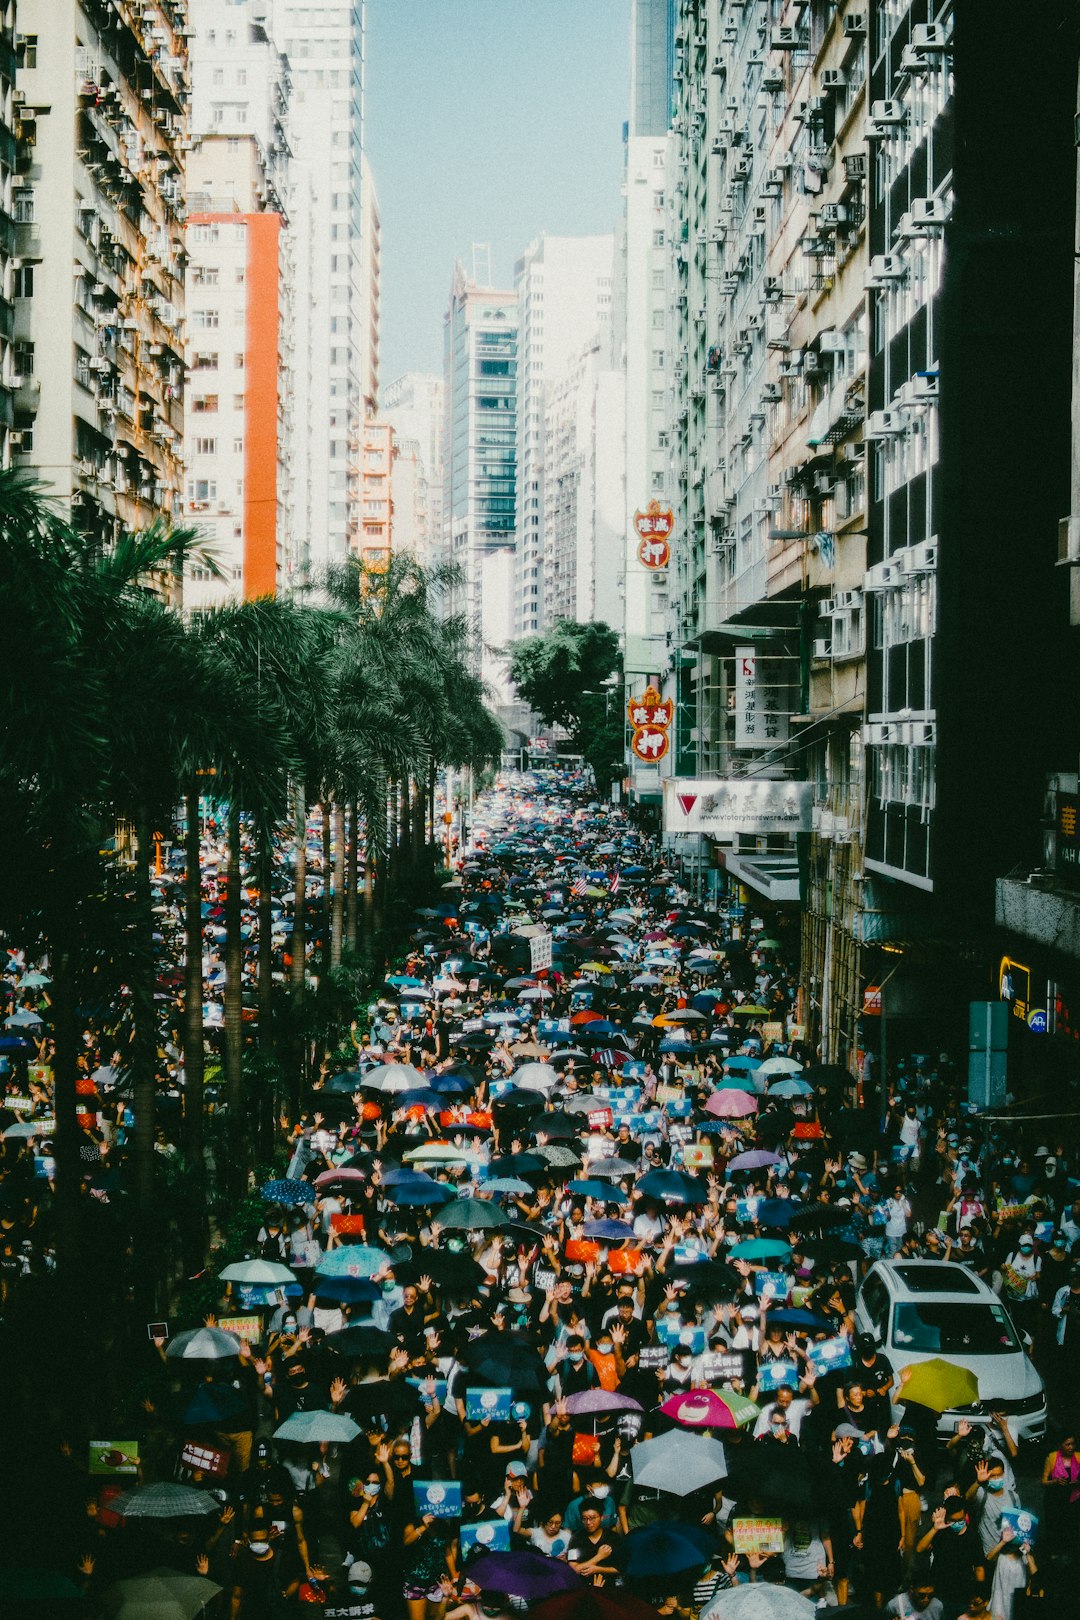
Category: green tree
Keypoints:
(571, 677)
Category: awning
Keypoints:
(774, 876)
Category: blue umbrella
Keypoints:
(313, 1428)
(790, 1087)
(352, 1260)
(590, 1189)
(451, 1085)
(288, 1192)
(614, 1231)
(419, 1097)
(213, 1402)
(676, 1184)
(777, 1212)
(348, 1290)
(797, 1318)
(507, 1184)
(404, 1195)
(668, 1548)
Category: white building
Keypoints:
(334, 287)
(480, 370)
(416, 405)
(237, 396)
(564, 287)
(583, 492)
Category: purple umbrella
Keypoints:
(592, 1401)
(526, 1574)
(756, 1159)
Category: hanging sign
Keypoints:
(654, 528)
(651, 716)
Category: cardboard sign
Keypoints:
(350, 1225)
(717, 1366)
(620, 1262)
(654, 1357)
(772, 1374)
(668, 1094)
(21, 1105)
(746, 1210)
(761, 1536)
(429, 1399)
(772, 1285)
(114, 1457)
(488, 1403)
(207, 1459)
(439, 1497)
(697, 1155)
(676, 1336)
(490, 1535)
(828, 1355)
(248, 1328)
(1024, 1525)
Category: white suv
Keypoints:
(919, 1309)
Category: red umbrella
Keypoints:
(592, 1603)
(329, 1177)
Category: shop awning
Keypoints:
(774, 876)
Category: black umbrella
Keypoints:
(819, 1218)
(556, 1127)
(504, 1363)
(827, 1074)
(518, 1164)
(779, 1476)
(453, 1270)
(359, 1340)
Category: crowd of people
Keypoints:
(554, 1302)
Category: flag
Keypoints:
(579, 885)
(616, 880)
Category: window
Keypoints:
(238, 447)
(238, 362)
(238, 402)
(203, 320)
(658, 359)
(205, 404)
(22, 282)
(24, 359)
(875, 1302)
(205, 275)
(205, 233)
(946, 1327)
(206, 447)
(205, 362)
(26, 51)
(23, 204)
(657, 238)
(659, 316)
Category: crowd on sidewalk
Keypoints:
(555, 1305)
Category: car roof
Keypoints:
(919, 1279)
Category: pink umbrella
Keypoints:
(709, 1409)
(328, 1177)
(756, 1159)
(731, 1104)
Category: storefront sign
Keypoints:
(649, 743)
(1014, 986)
(760, 720)
(650, 715)
(1067, 858)
(654, 528)
(724, 807)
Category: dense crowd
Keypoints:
(554, 1306)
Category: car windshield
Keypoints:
(948, 1327)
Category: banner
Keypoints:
(723, 807)
(540, 951)
(761, 721)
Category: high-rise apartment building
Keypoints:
(416, 405)
(8, 227)
(564, 289)
(652, 66)
(99, 292)
(334, 355)
(480, 361)
(583, 488)
(376, 506)
(237, 411)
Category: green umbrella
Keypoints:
(471, 1215)
(163, 1594)
(769, 943)
(938, 1384)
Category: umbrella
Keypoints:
(614, 1168)
(535, 1076)
(610, 1231)
(593, 1401)
(819, 1217)
(776, 1066)
(938, 1384)
(163, 1594)
(797, 1317)
(525, 1574)
(287, 1192)
(676, 1464)
(790, 1086)
(419, 1194)
(352, 1260)
(341, 1085)
(315, 1428)
(436, 1153)
(203, 1344)
(213, 1403)
(760, 1600)
(827, 1074)
(559, 1157)
(519, 1164)
(36, 1586)
(393, 1077)
(508, 1185)
(756, 1159)
(260, 1273)
(777, 1212)
(666, 1549)
(592, 1603)
(590, 1188)
(347, 1290)
(710, 1408)
(166, 1501)
(675, 1184)
(342, 1174)
(471, 1215)
(506, 1364)
(360, 1340)
(760, 1249)
(731, 1103)
(750, 1009)
(780, 1476)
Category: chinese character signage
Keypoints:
(1067, 819)
(654, 528)
(760, 718)
(722, 807)
(651, 717)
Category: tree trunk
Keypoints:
(327, 868)
(193, 1036)
(404, 826)
(266, 939)
(351, 878)
(144, 1043)
(369, 890)
(337, 908)
(419, 838)
(234, 1017)
(299, 926)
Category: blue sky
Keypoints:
(486, 121)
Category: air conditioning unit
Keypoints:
(846, 600)
(825, 607)
(929, 37)
(822, 647)
(753, 323)
(855, 166)
(785, 161)
(786, 39)
(925, 388)
(772, 393)
(920, 559)
(823, 483)
(877, 732)
(831, 342)
(886, 268)
(1068, 552)
(22, 440)
(884, 424)
(881, 576)
(716, 66)
(832, 214)
(772, 79)
(855, 25)
(929, 212)
(885, 118)
(850, 454)
(832, 79)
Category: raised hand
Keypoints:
(938, 1520)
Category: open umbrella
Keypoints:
(162, 1594)
(790, 1086)
(666, 1549)
(287, 1192)
(359, 1340)
(258, 1273)
(677, 1464)
(535, 1077)
(352, 1260)
(731, 1103)
(214, 1403)
(525, 1574)
(756, 1159)
(393, 1077)
(203, 1344)
(38, 1589)
(938, 1384)
(710, 1408)
(558, 1156)
(471, 1215)
(318, 1427)
(608, 1230)
(760, 1600)
(506, 1364)
(592, 1603)
(759, 1248)
(590, 1402)
(774, 1067)
(677, 1185)
(346, 1291)
(165, 1501)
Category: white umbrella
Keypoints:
(774, 1066)
(535, 1076)
(393, 1077)
(761, 1600)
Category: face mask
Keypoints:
(604, 1347)
(576, 1356)
(259, 1546)
(600, 1491)
(958, 1526)
(995, 1484)
(373, 1488)
(357, 1591)
(1026, 1248)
